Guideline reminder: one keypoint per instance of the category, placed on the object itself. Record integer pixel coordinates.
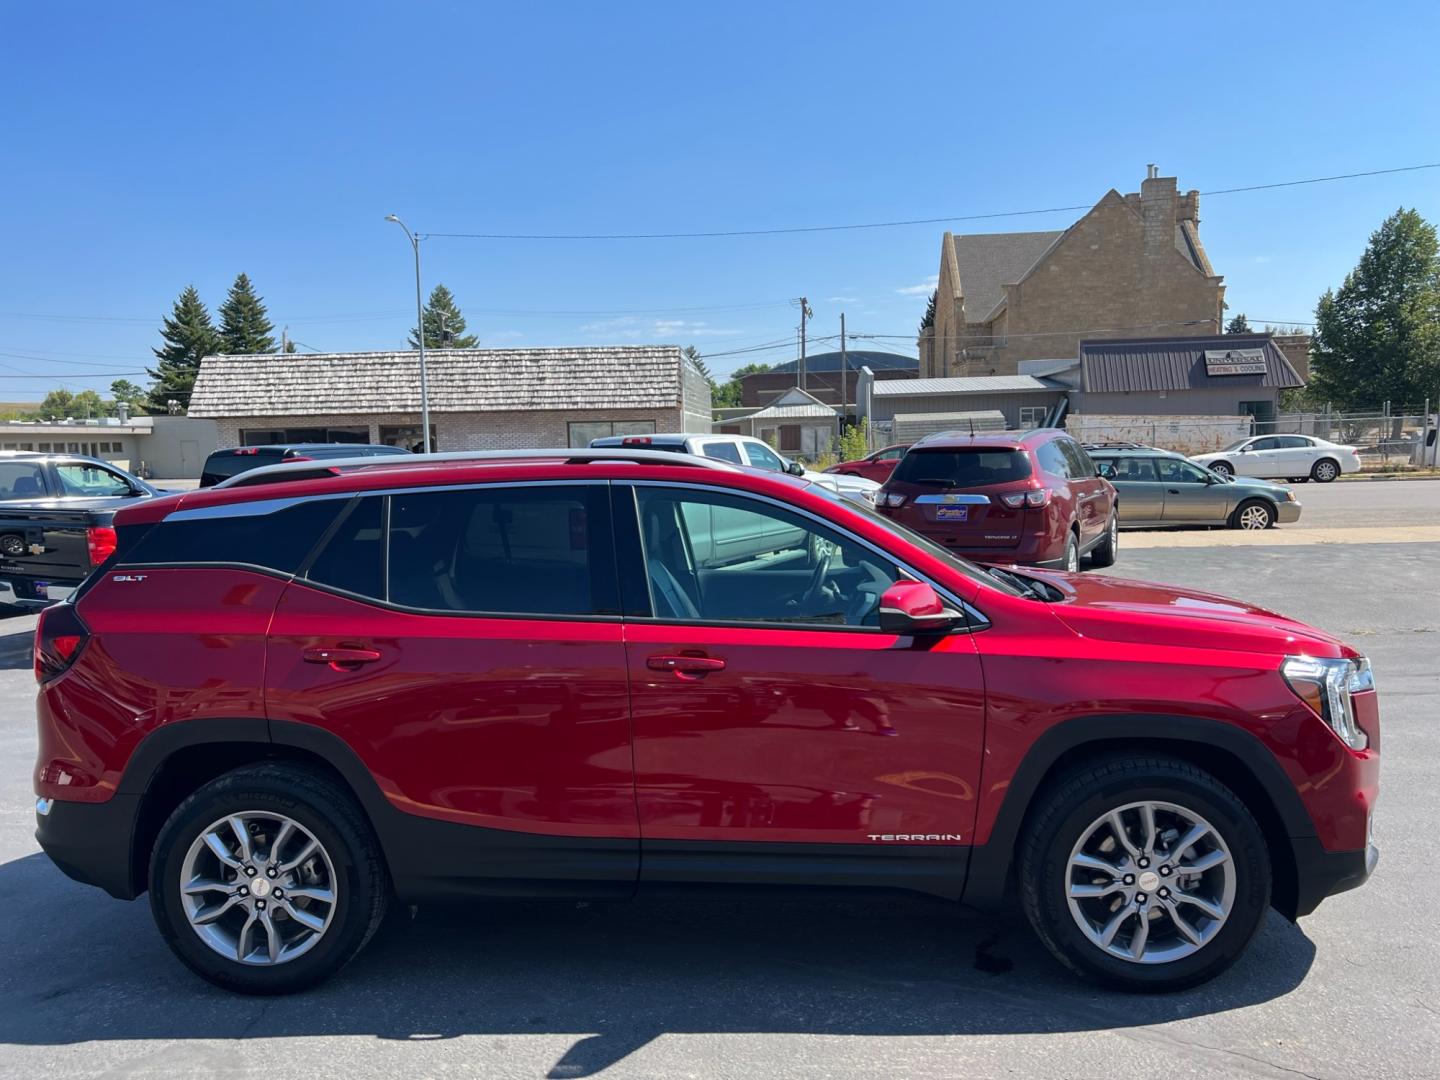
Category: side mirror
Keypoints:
(913, 607)
(794, 468)
(1245, 449)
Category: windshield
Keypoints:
(963, 468)
(914, 539)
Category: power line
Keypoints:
(719, 233)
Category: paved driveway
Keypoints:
(774, 987)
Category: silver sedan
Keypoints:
(1159, 489)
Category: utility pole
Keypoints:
(805, 315)
(420, 333)
(844, 363)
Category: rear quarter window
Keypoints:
(278, 541)
(978, 467)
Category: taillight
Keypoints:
(59, 637)
(636, 440)
(298, 457)
(101, 540)
(1026, 498)
(890, 498)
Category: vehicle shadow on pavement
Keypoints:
(80, 967)
(16, 651)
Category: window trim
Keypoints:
(634, 581)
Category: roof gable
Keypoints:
(988, 262)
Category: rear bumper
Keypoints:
(90, 842)
(25, 594)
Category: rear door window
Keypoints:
(542, 550)
(21, 480)
(967, 468)
(1134, 470)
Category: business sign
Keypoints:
(1234, 361)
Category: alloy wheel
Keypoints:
(258, 888)
(1254, 516)
(1325, 472)
(1150, 882)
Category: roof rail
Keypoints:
(306, 470)
(1118, 446)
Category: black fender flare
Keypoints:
(991, 863)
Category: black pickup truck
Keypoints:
(56, 514)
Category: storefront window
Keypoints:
(583, 431)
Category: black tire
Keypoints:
(1249, 511)
(1072, 554)
(1298, 480)
(1224, 468)
(1104, 553)
(1325, 470)
(332, 817)
(1085, 794)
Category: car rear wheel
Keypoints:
(1224, 468)
(1144, 873)
(1253, 514)
(1324, 471)
(267, 880)
(1105, 552)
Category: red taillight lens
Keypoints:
(59, 637)
(1037, 498)
(636, 440)
(101, 541)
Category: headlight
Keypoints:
(1328, 686)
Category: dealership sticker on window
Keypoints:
(952, 513)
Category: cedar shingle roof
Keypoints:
(460, 380)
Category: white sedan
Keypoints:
(1283, 457)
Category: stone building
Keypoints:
(480, 399)
(1132, 266)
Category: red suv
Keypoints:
(1016, 497)
(292, 699)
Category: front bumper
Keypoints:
(91, 842)
(1320, 873)
(1287, 513)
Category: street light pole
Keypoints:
(420, 335)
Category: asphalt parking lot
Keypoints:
(788, 987)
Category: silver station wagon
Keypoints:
(1161, 489)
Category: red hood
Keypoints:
(1115, 609)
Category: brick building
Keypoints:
(480, 399)
(1132, 266)
(823, 376)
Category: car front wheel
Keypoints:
(267, 880)
(1144, 873)
(1253, 514)
(1072, 554)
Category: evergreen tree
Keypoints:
(693, 355)
(1238, 325)
(188, 335)
(1377, 338)
(929, 318)
(442, 309)
(244, 326)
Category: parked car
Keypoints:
(1028, 497)
(281, 707)
(1159, 488)
(55, 515)
(223, 464)
(745, 450)
(877, 466)
(1296, 458)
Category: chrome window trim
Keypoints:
(975, 619)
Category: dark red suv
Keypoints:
(287, 702)
(1015, 497)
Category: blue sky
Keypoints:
(150, 146)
